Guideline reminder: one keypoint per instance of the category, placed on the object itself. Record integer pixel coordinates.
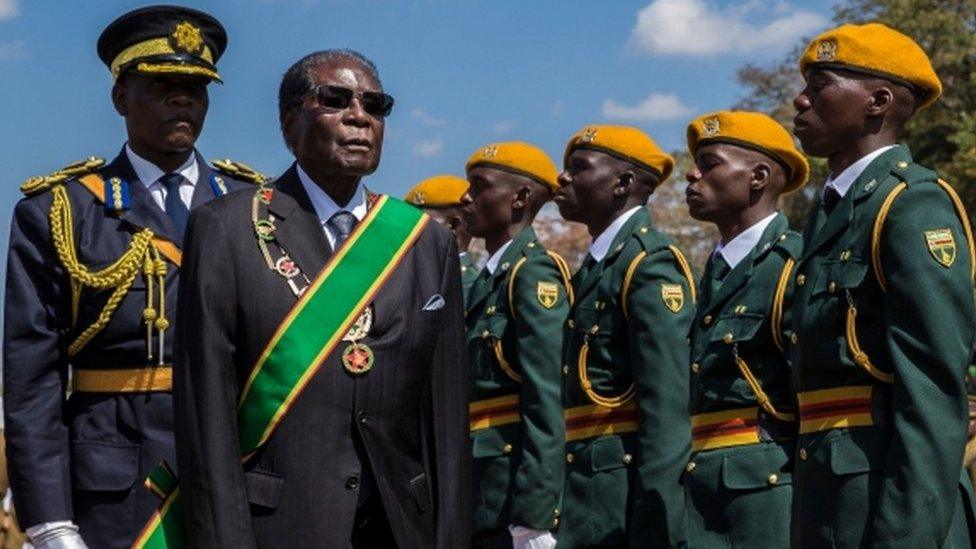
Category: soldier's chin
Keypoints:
(180, 141)
(566, 208)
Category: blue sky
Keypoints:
(464, 73)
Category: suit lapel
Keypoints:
(143, 211)
(202, 191)
(297, 226)
(739, 276)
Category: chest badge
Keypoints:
(942, 246)
(358, 358)
(673, 296)
(548, 294)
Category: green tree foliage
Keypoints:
(942, 136)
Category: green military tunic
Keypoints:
(468, 275)
(739, 478)
(883, 322)
(626, 394)
(514, 323)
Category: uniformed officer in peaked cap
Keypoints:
(516, 311)
(743, 416)
(625, 358)
(91, 285)
(883, 316)
(440, 197)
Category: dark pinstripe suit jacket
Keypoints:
(405, 420)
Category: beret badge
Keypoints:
(710, 127)
(490, 152)
(589, 135)
(827, 50)
(187, 37)
(419, 199)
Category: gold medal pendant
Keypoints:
(357, 358)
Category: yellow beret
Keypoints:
(439, 191)
(520, 157)
(626, 142)
(877, 50)
(752, 130)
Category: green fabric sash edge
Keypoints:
(306, 337)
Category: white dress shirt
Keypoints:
(149, 174)
(492, 262)
(601, 244)
(325, 207)
(739, 247)
(842, 183)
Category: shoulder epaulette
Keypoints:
(910, 172)
(791, 242)
(41, 183)
(239, 170)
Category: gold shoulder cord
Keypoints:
(119, 276)
(858, 354)
(779, 296)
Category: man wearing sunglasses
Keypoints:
(91, 283)
(321, 389)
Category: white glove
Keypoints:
(527, 538)
(61, 534)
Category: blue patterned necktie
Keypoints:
(341, 224)
(175, 208)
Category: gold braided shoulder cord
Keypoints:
(761, 397)
(119, 275)
(779, 296)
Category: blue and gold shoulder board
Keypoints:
(239, 170)
(41, 183)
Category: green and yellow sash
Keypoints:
(306, 337)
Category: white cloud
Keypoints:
(422, 116)
(504, 127)
(428, 148)
(654, 107)
(702, 28)
(9, 9)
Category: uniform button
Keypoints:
(695, 367)
(485, 334)
(728, 338)
(707, 320)
(643, 230)
(555, 512)
(530, 245)
(793, 338)
(690, 467)
(352, 483)
(803, 454)
(832, 287)
(507, 449)
(627, 459)
(570, 457)
(555, 522)
(773, 479)
(361, 416)
(902, 165)
(570, 323)
(801, 279)
(782, 237)
(565, 369)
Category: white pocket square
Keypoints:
(435, 303)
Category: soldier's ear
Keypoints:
(625, 182)
(881, 101)
(761, 173)
(120, 97)
(522, 196)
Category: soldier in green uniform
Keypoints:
(440, 197)
(883, 316)
(516, 311)
(743, 421)
(625, 358)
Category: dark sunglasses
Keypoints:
(339, 98)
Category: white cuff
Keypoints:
(527, 538)
(59, 534)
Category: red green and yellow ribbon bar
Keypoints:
(596, 421)
(494, 412)
(837, 408)
(307, 336)
(735, 427)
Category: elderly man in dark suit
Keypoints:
(321, 399)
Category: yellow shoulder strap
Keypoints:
(779, 296)
(563, 273)
(96, 186)
(632, 268)
(883, 214)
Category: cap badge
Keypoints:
(710, 127)
(419, 199)
(589, 135)
(826, 50)
(187, 37)
(490, 152)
